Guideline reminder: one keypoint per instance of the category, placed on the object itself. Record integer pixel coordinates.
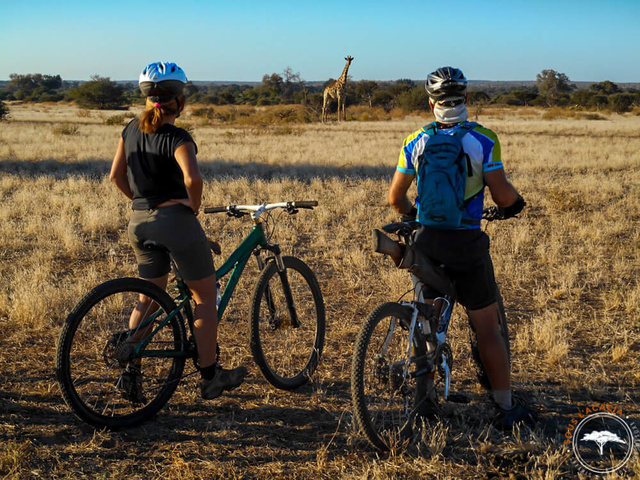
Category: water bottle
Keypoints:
(218, 294)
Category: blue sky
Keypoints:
(241, 40)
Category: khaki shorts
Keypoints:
(178, 230)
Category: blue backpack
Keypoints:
(442, 178)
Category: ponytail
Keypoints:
(154, 115)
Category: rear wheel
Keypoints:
(382, 392)
(102, 377)
(286, 351)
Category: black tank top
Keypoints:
(152, 170)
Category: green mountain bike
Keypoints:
(287, 327)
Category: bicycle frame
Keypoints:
(440, 335)
(235, 264)
(237, 261)
(253, 243)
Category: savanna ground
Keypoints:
(568, 269)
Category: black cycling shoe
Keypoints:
(130, 385)
(224, 380)
(519, 413)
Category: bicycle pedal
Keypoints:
(459, 398)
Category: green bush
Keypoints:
(4, 111)
(203, 112)
(65, 129)
(100, 93)
(621, 102)
(115, 120)
(413, 100)
(382, 98)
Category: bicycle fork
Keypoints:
(438, 352)
(286, 286)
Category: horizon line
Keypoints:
(323, 81)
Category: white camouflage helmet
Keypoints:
(447, 89)
(162, 79)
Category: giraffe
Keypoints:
(336, 90)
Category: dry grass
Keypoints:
(568, 269)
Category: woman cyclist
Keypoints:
(155, 166)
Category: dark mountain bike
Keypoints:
(399, 345)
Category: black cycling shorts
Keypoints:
(176, 228)
(466, 259)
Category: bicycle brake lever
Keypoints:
(236, 214)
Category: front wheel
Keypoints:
(287, 323)
(384, 387)
(106, 379)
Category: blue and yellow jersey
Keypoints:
(482, 147)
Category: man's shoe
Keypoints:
(519, 413)
(223, 380)
(130, 384)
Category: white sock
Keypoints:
(503, 398)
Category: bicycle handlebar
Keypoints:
(291, 207)
(492, 213)
(215, 209)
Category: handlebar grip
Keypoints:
(304, 204)
(215, 209)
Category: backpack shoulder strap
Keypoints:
(465, 128)
(430, 129)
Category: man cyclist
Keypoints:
(465, 250)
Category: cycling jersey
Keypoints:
(482, 147)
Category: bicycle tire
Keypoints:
(287, 355)
(481, 372)
(90, 358)
(382, 397)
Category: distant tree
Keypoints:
(521, 96)
(400, 86)
(293, 87)
(382, 98)
(270, 90)
(605, 88)
(525, 95)
(100, 93)
(406, 81)
(621, 102)
(554, 87)
(227, 97)
(413, 100)
(477, 97)
(190, 89)
(584, 98)
(314, 101)
(365, 90)
(35, 87)
(4, 111)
